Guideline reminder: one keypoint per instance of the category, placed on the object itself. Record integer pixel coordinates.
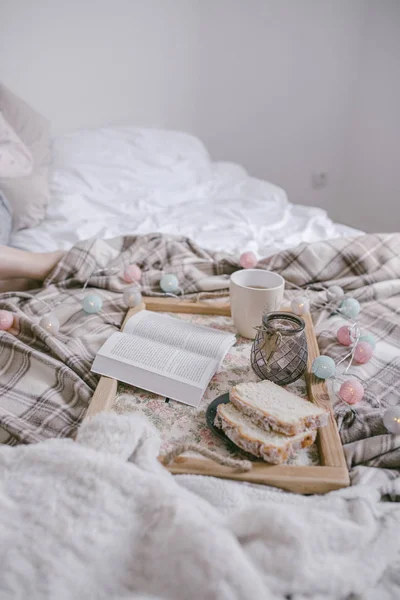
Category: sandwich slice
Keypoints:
(272, 447)
(273, 408)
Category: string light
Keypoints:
(132, 297)
(92, 303)
(49, 322)
(368, 337)
(351, 391)
(363, 352)
(169, 283)
(350, 307)
(300, 305)
(334, 294)
(362, 346)
(132, 274)
(343, 336)
(248, 260)
(391, 419)
(6, 320)
(323, 367)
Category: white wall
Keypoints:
(267, 83)
(273, 80)
(371, 180)
(92, 62)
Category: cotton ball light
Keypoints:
(132, 297)
(169, 284)
(6, 320)
(363, 352)
(50, 323)
(323, 367)
(350, 307)
(391, 419)
(344, 336)
(369, 338)
(335, 292)
(132, 274)
(248, 260)
(351, 391)
(92, 303)
(300, 305)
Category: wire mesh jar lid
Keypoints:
(282, 322)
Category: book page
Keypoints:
(155, 357)
(170, 331)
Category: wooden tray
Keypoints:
(332, 474)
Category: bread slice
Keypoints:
(273, 408)
(273, 447)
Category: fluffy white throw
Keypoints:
(101, 518)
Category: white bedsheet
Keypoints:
(123, 180)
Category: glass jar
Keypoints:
(279, 351)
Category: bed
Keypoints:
(123, 180)
(123, 526)
(100, 517)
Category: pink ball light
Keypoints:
(6, 320)
(351, 391)
(343, 336)
(248, 260)
(363, 352)
(132, 273)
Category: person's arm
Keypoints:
(18, 267)
(18, 285)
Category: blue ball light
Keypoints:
(92, 303)
(323, 367)
(350, 307)
(369, 338)
(169, 284)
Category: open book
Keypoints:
(164, 355)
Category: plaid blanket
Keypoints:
(45, 380)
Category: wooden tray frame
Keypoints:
(332, 474)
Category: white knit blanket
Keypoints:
(101, 518)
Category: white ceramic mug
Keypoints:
(254, 292)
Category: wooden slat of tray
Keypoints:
(331, 475)
(106, 390)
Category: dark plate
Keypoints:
(211, 413)
(210, 417)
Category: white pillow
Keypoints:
(125, 160)
(5, 220)
(29, 195)
(15, 158)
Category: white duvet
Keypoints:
(123, 180)
(100, 518)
